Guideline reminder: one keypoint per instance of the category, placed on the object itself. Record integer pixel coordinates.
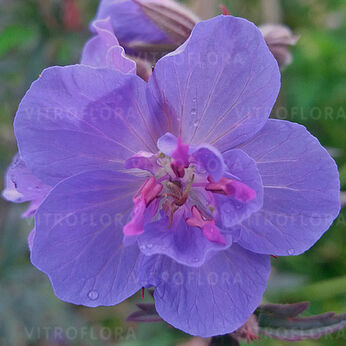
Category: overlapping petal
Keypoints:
(184, 244)
(240, 167)
(301, 190)
(210, 160)
(79, 126)
(214, 299)
(220, 85)
(104, 50)
(79, 241)
(22, 186)
(79, 118)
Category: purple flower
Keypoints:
(279, 39)
(149, 28)
(103, 50)
(155, 22)
(181, 183)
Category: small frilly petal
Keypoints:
(301, 190)
(214, 299)
(117, 60)
(78, 118)
(167, 143)
(31, 211)
(223, 53)
(209, 159)
(236, 207)
(184, 244)
(79, 239)
(21, 185)
(142, 160)
(11, 194)
(104, 50)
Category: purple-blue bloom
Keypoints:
(181, 183)
(150, 27)
(133, 24)
(104, 49)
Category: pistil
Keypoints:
(180, 159)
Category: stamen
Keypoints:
(178, 169)
(149, 191)
(142, 199)
(229, 187)
(179, 197)
(208, 227)
(136, 224)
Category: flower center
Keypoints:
(181, 185)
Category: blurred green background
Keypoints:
(41, 33)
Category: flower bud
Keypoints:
(279, 39)
(343, 199)
(144, 67)
(172, 18)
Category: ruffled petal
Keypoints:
(214, 299)
(104, 50)
(223, 53)
(301, 190)
(22, 186)
(79, 118)
(184, 244)
(79, 240)
(210, 160)
(167, 144)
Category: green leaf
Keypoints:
(284, 310)
(14, 36)
(281, 322)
